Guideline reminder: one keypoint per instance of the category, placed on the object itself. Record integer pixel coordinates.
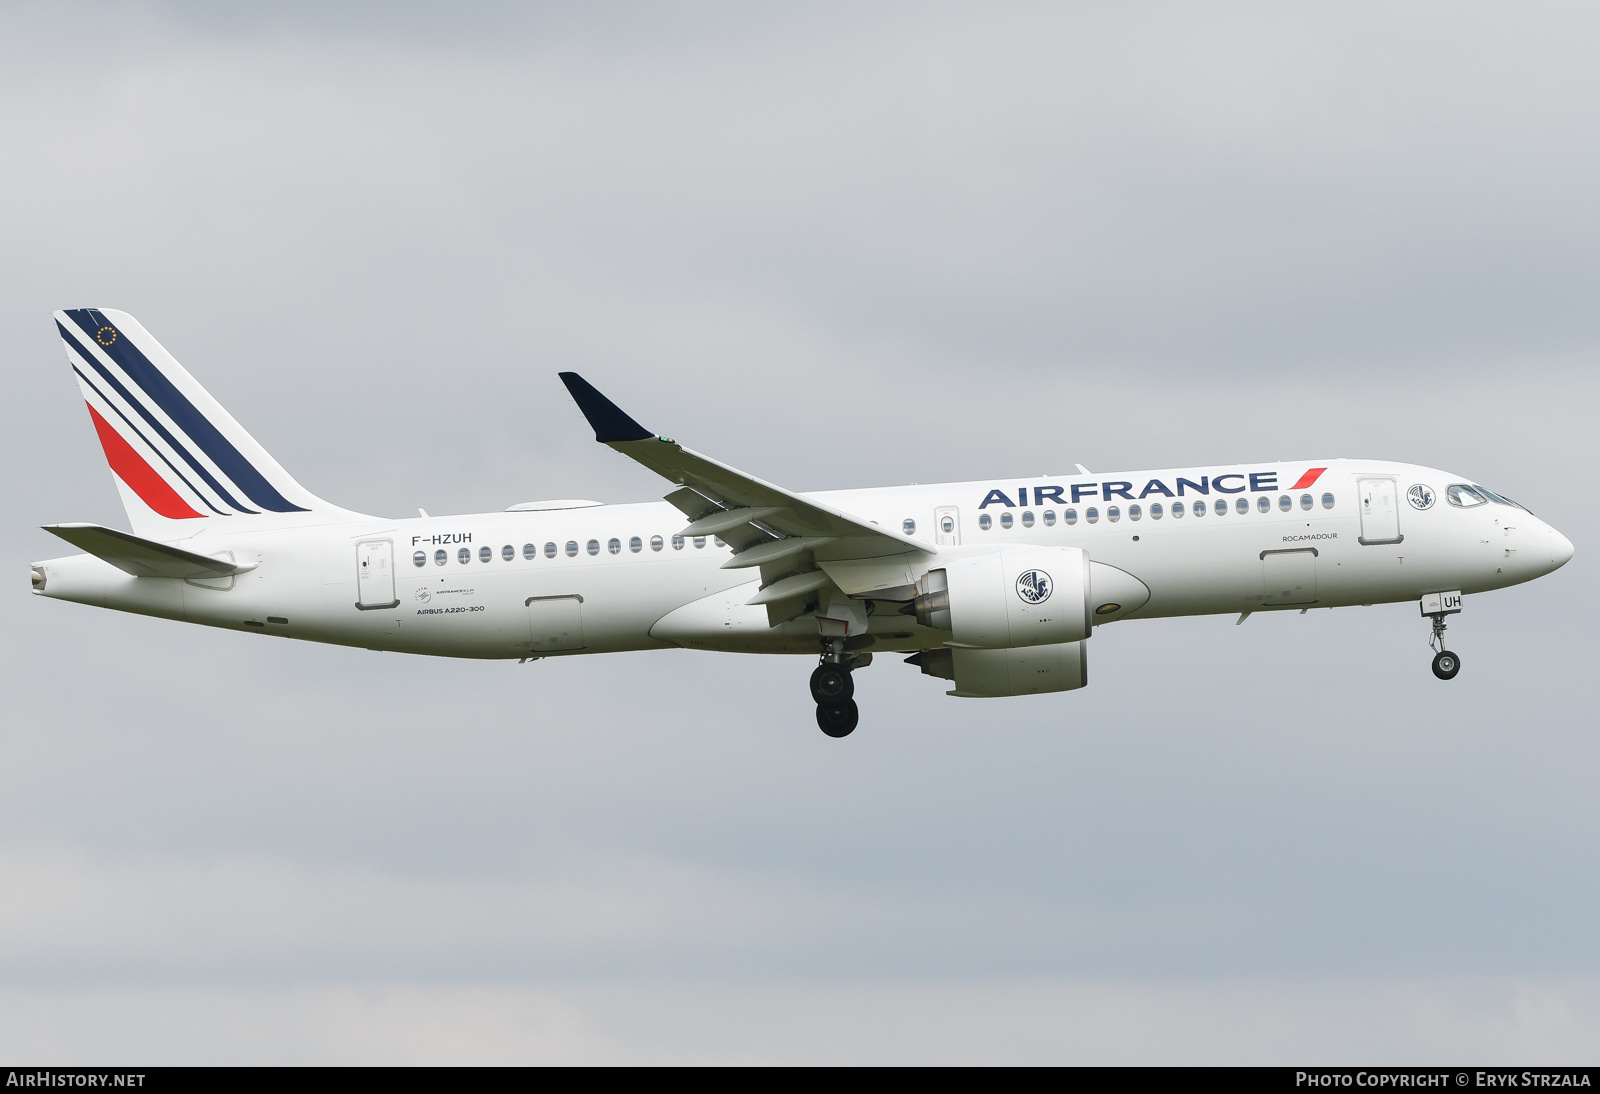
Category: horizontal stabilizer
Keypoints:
(143, 557)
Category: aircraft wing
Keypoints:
(143, 557)
(779, 530)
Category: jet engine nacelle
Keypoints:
(1028, 670)
(1010, 597)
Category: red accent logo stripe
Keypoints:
(141, 478)
(1308, 478)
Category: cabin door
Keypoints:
(375, 575)
(1380, 511)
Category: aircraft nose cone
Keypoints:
(1560, 549)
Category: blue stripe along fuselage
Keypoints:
(166, 435)
(186, 416)
(138, 433)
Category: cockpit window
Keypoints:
(1463, 496)
(1492, 496)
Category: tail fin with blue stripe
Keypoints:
(180, 460)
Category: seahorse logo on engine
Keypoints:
(1035, 587)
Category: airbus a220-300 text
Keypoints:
(996, 587)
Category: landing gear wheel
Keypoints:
(1446, 665)
(838, 721)
(832, 686)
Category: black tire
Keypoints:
(1446, 664)
(839, 721)
(832, 685)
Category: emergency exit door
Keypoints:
(947, 526)
(1380, 511)
(375, 575)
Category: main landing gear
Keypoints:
(833, 688)
(1436, 606)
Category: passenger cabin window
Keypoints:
(1092, 515)
(1005, 520)
(718, 541)
(485, 553)
(1327, 501)
(420, 558)
(1305, 501)
(1285, 503)
(699, 542)
(572, 548)
(508, 552)
(656, 543)
(440, 557)
(1156, 510)
(1464, 496)
(1178, 509)
(530, 551)
(1241, 506)
(985, 522)
(1264, 504)
(1113, 513)
(1199, 508)
(593, 546)
(614, 545)
(549, 550)
(947, 525)
(636, 545)
(1135, 512)
(908, 526)
(677, 543)
(1027, 519)
(1070, 516)
(1220, 507)
(1049, 518)
(464, 555)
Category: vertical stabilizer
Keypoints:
(180, 460)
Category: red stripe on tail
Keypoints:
(1308, 478)
(141, 478)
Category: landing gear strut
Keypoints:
(832, 686)
(1436, 606)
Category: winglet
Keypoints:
(609, 422)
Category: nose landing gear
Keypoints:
(1436, 606)
(833, 688)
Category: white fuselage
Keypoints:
(610, 588)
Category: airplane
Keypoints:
(993, 586)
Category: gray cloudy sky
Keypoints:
(837, 245)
